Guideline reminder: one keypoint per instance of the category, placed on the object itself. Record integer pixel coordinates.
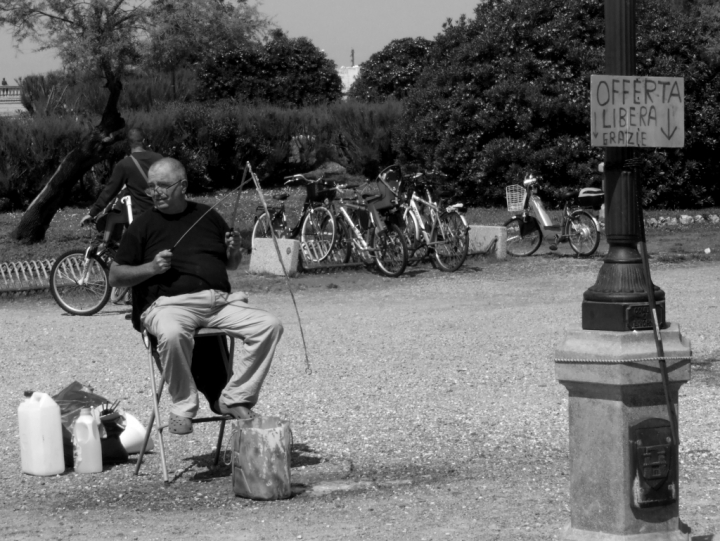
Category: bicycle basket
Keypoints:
(515, 196)
(319, 191)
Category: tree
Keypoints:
(184, 32)
(282, 71)
(508, 92)
(392, 71)
(95, 37)
(105, 39)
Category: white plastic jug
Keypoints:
(87, 449)
(133, 436)
(41, 443)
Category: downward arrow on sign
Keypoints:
(668, 129)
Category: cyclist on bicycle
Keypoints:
(130, 172)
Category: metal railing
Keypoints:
(25, 275)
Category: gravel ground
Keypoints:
(432, 412)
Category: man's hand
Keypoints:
(233, 251)
(162, 262)
(87, 219)
(232, 241)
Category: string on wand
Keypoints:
(231, 192)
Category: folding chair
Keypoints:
(212, 341)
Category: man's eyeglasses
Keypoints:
(160, 190)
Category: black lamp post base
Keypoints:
(620, 316)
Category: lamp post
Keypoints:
(618, 300)
(624, 458)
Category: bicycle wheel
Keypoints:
(582, 232)
(317, 234)
(117, 294)
(522, 245)
(261, 229)
(453, 242)
(80, 286)
(342, 249)
(391, 251)
(417, 248)
(364, 256)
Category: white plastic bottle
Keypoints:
(87, 450)
(41, 444)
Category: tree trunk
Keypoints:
(93, 149)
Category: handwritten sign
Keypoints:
(629, 111)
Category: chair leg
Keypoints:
(145, 442)
(219, 442)
(148, 434)
(156, 414)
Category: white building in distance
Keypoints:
(348, 76)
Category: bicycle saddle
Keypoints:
(281, 196)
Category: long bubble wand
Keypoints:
(237, 201)
(308, 369)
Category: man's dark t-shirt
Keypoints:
(198, 262)
(126, 172)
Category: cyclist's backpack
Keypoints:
(389, 187)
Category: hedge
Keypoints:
(213, 141)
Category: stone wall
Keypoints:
(10, 103)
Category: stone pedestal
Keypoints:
(481, 237)
(264, 257)
(615, 383)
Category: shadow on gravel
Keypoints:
(105, 312)
(412, 273)
(301, 456)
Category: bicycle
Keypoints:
(444, 233)
(316, 225)
(79, 279)
(524, 231)
(366, 227)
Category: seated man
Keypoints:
(176, 291)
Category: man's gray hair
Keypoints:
(167, 166)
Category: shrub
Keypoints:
(213, 141)
(30, 151)
(508, 92)
(59, 93)
(392, 72)
(284, 71)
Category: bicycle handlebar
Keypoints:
(300, 177)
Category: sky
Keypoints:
(335, 26)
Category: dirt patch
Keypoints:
(433, 411)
